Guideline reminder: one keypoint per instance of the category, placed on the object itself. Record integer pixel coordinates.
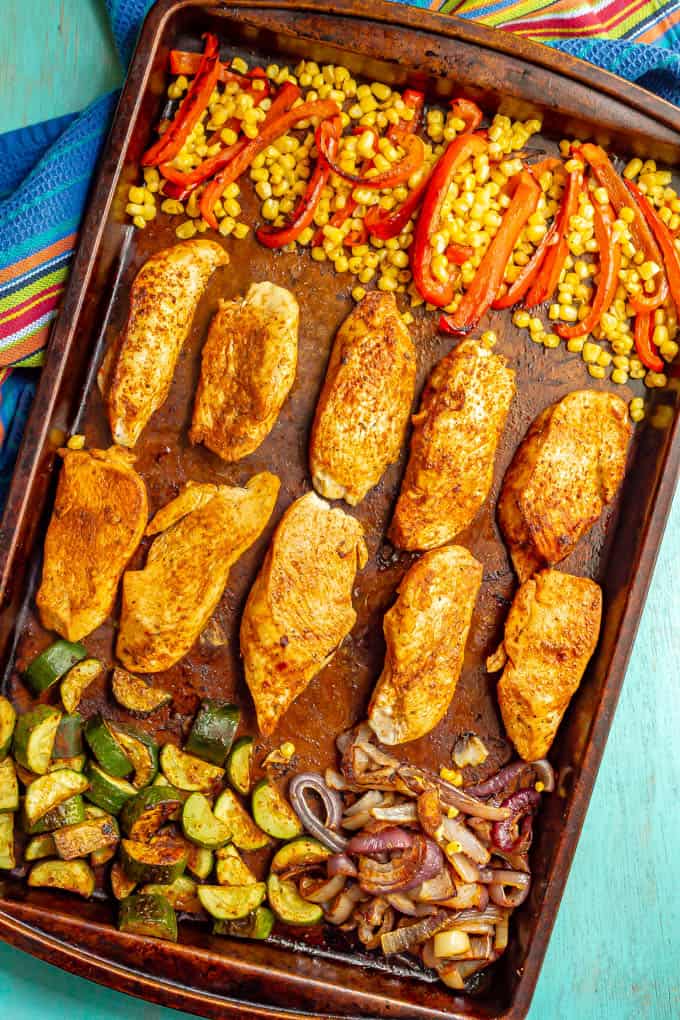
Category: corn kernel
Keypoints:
(358, 293)
(242, 230)
(619, 376)
(575, 344)
(591, 353)
(648, 270)
(521, 319)
(596, 371)
(186, 230)
(551, 340)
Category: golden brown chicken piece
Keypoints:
(204, 532)
(363, 409)
(98, 520)
(248, 368)
(300, 606)
(138, 370)
(455, 434)
(425, 632)
(567, 469)
(550, 634)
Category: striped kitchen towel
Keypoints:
(46, 169)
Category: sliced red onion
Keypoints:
(505, 834)
(420, 861)
(465, 868)
(438, 888)
(334, 781)
(504, 899)
(545, 774)
(377, 842)
(512, 774)
(455, 831)
(324, 892)
(341, 864)
(503, 876)
(401, 902)
(357, 822)
(402, 939)
(324, 832)
(468, 895)
(341, 907)
(406, 812)
(365, 803)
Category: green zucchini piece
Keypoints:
(187, 772)
(68, 813)
(98, 858)
(160, 780)
(40, 846)
(200, 825)
(148, 914)
(70, 876)
(52, 664)
(181, 894)
(76, 764)
(231, 869)
(227, 903)
(301, 852)
(213, 730)
(239, 765)
(9, 786)
(152, 807)
(140, 749)
(7, 855)
(34, 737)
(8, 718)
(77, 680)
(108, 792)
(50, 791)
(121, 885)
(135, 694)
(257, 925)
(106, 748)
(68, 741)
(288, 905)
(273, 813)
(200, 861)
(86, 837)
(245, 834)
(159, 863)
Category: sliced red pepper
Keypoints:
(645, 347)
(303, 214)
(610, 263)
(468, 111)
(270, 131)
(481, 293)
(528, 274)
(664, 239)
(548, 275)
(416, 100)
(183, 62)
(459, 253)
(190, 109)
(619, 196)
(398, 173)
(384, 225)
(457, 152)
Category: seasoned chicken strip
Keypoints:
(204, 532)
(567, 469)
(300, 606)
(363, 409)
(425, 632)
(550, 634)
(142, 362)
(97, 523)
(248, 368)
(455, 434)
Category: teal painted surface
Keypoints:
(615, 950)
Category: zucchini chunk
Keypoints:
(288, 905)
(7, 855)
(108, 792)
(98, 858)
(231, 869)
(187, 772)
(9, 786)
(121, 885)
(239, 765)
(152, 807)
(135, 694)
(200, 825)
(34, 737)
(52, 664)
(40, 846)
(212, 733)
(86, 837)
(77, 680)
(8, 718)
(257, 925)
(148, 914)
(301, 852)
(75, 764)
(273, 813)
(68, 813)
(68, 741)
(181, 894)
(200, 861)
(70, 876)
(160, 863)
(140, 749)
(106, 748)
(245, 834)
(227, 903)
(50, 791)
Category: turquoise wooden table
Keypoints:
(615, 950)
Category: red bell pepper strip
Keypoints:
(416, 100)
(468, 111)
(480, 295)
(182, 62)
(459, 253)
(384, 225)
(303, 214)
(664, 239)
(548, 275)
(190, 109)
(610, 263)
(645, 347)
(457, 152)
(270, 131)
(528, 274)
(619, 196)
(398, 173)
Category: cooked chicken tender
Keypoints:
(204, 531)
(550, 634)
(425, 632)
(300, 606)
(453, 448)
(138, 369)
(363, 409)
(247, 370)
(98, 520)
(567, 469)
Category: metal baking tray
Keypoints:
(323, 976)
